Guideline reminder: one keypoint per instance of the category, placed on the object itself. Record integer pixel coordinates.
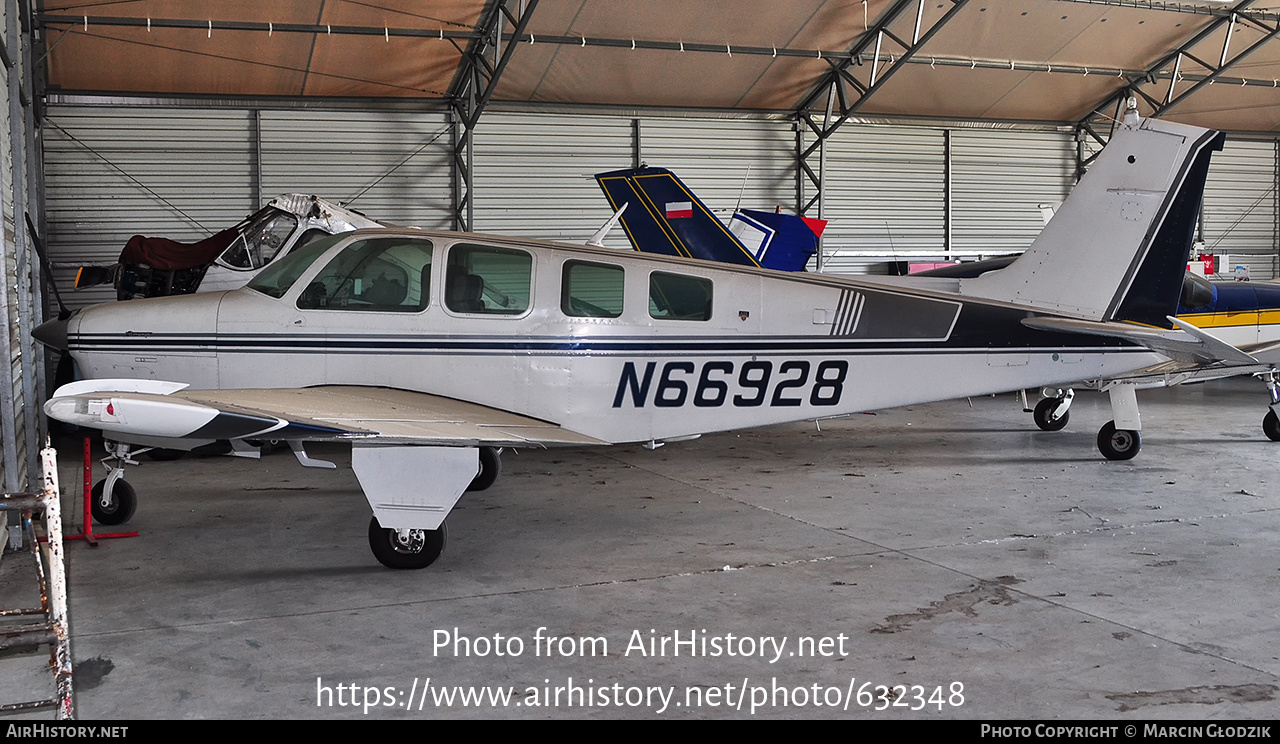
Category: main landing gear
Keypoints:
(1118, 439)
(1121, 438)
(1118, 444)
(1271, 422)
(406, 548)
(418, 548)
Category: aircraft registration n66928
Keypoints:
(431, 351)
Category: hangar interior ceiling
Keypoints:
(1207, 62)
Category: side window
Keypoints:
(678, 297)
(591, 290)
(383, 274)
(484, 279)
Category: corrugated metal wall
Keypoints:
(533, 174)
(998, 179)
(1240, 207)
(885, 196)
(19, 403)
(112, 172)
(392, 166)
(724, 159)
(186, 173)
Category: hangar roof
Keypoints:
(1213, 63)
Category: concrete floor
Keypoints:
(1007, 572)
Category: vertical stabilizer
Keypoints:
(1117, 247)
(664, 217)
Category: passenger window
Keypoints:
(591, 290)
(383, 274)
(483, 279)
(677, 297)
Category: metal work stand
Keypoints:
(87, 535)
(52, 579)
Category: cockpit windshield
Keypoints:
(1197, 292)
(260, 240)
(276, 279)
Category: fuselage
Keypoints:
(1240, 313)
(615, 345)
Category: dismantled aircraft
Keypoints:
(158, 267)
(427, 351)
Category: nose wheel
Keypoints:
(112, 500)
(112, 503)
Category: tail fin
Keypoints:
(778, 241)
(1117, 247)
(667, 218)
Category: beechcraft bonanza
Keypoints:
(660, 214)
(428, 351)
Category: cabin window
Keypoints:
(679, 297)
(380, 274)
(260, 241)
(488, 280)
(591, 290)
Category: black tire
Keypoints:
(490, 467)
(124, 501)
(1271, 426)
(1118, 444)
(1044, 412)
(427, 546)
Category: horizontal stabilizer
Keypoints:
(1188, 344)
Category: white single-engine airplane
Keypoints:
(428, 351)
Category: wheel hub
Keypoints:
(409, 541)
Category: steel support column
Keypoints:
(25, 268)
(473, 86)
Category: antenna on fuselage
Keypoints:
(598, 238)
(742, 190)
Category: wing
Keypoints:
(364, 414)
(413, 453)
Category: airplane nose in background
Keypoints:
(52, 333)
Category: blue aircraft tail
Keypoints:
(664, 216)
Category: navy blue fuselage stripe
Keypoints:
(820, 346)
